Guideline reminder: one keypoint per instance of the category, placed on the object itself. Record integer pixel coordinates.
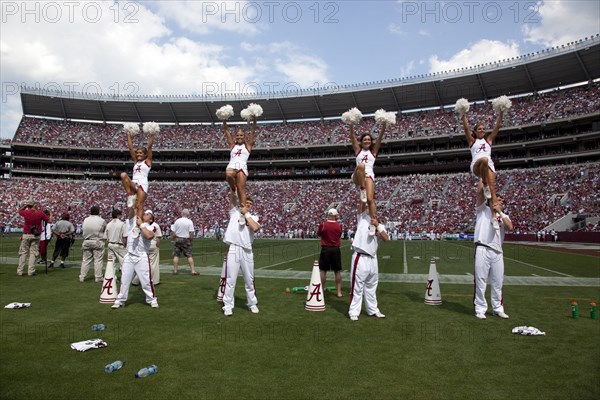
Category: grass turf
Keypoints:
(285, 352)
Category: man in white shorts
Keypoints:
(240, 256)
(137, 260)
(364, 270)
(489, 258)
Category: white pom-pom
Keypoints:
(225, 112)
(502, 103)
(462, 106)
(131, 129)
(151, 128)
(352, 116)
(381, 116)
(245, 114)
(253, 110)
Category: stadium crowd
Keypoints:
(532, 109)
(417, 203)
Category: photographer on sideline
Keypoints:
(30, 241)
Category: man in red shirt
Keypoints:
(30, 241)
(330, 259)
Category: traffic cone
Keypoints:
(109, 285)
(221, 289)
(433, 296)
(315, 301)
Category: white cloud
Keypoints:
(480, 52)
(395, 29)
(562, 21)
(135, 51)
(245, 17)
(299, 70)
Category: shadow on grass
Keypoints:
(447, 305)
(339, 304)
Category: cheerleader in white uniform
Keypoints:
(237, 169)
(481, 152)
(137, 186)
(363, 176)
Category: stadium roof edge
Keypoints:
(575, 62)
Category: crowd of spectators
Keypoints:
(532, 109)
(418, 203)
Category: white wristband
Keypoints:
(502, 215)
(247, 215)
(380, 228)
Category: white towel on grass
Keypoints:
(88, 344)
(17, 305)
(528, 331)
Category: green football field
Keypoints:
(285, 352)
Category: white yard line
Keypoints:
(405, 261)
(524, 263)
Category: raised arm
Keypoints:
(467, 129)
(355, 144)
(228, 136)
(150, 144)
(252, 134)
(375, 149)
(146, 231)
(480, 199)
(131, 148)
(496, 129)
(252, 224)
(233, 200)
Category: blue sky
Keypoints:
(196, 47)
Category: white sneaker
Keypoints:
(117, 305)
(227, 312)
(480, 315)
(154, 304)
(372, 230)
(378, 314)
(354, 318)
(363, 195)
(501, 314)
(242, 221)
(131, 200)
(487, 192)
(495, 224)
(253, 309)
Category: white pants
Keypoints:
(239, 258)
(154, 267)
(364, 273)
(488, 263)
(133, 264)
(93, 251)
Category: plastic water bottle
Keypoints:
(114, 366)
(98, 327)
(593, 310)
(144, 372)
(574, 310)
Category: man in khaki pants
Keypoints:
(93, 244)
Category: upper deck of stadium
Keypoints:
(564, 65)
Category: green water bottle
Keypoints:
(593, 310)
(575, 310)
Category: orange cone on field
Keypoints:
(109, 285)
(315, 301)
(221, 289)
(433, 296)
